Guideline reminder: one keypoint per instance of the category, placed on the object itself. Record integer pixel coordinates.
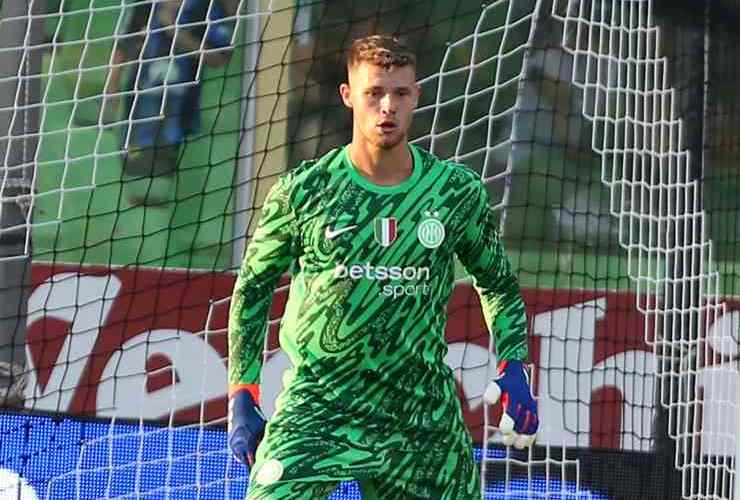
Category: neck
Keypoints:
(382, 166)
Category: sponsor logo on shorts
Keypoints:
(270, 472)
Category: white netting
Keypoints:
(641, 140)
(528, 471)
(86, 87)
(477, 128)
(610, 51)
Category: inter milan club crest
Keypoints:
(431, 231)
(385, 230)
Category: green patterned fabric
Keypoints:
(373, 270)
(310, 468)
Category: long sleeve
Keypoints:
(268, 255)
(480, 251)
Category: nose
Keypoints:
(388, 104)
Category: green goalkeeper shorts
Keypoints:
(302, 465)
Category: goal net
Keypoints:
(653, 161)
(141, 136)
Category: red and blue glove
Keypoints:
(519, 420)
(246, 425)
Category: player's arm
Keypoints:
(480, 250)
(268, 255)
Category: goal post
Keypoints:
(20, 74)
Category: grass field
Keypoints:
(82, 211)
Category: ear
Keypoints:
(418, 94)
(345, 92)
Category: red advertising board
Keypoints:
(150, 343)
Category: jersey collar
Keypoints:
(404, 186)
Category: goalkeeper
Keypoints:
(371, 231)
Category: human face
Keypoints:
(382, 101)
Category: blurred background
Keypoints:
(140, 138)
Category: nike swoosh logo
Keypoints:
(330, 235)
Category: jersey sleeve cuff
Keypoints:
(253, 389)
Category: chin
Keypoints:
(391, 142)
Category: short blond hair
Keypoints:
(383, 50)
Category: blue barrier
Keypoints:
(68, 458)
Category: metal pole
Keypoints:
(242, 186)
(737, 438)
(21, 35)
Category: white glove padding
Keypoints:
(519, 420)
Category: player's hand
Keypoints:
(519, 420)
(246, 426)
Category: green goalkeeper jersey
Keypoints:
(372, 272)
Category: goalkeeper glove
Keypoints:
(519, 420)
(246, 426)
